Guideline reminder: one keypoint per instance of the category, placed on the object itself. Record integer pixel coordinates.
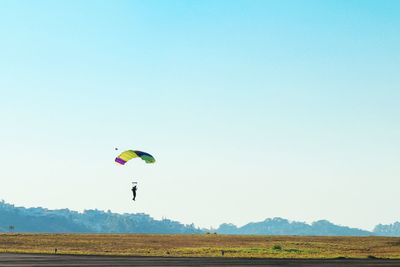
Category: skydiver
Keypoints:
(134, 188)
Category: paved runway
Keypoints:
(10, 259)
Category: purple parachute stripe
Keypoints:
(120, 161)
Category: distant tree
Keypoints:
(387, 230)
(11, 228)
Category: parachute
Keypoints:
(127, 155)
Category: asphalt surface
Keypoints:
(10, 259)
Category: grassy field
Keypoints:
(203, 245)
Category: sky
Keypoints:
(252, 109)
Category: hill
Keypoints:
(42, 220)
(90, 221)
(279, 226)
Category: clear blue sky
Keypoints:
(253, 109)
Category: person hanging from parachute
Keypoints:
(134, 189)
(127, 155)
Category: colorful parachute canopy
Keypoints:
(130, 154)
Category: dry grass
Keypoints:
(203, 245)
